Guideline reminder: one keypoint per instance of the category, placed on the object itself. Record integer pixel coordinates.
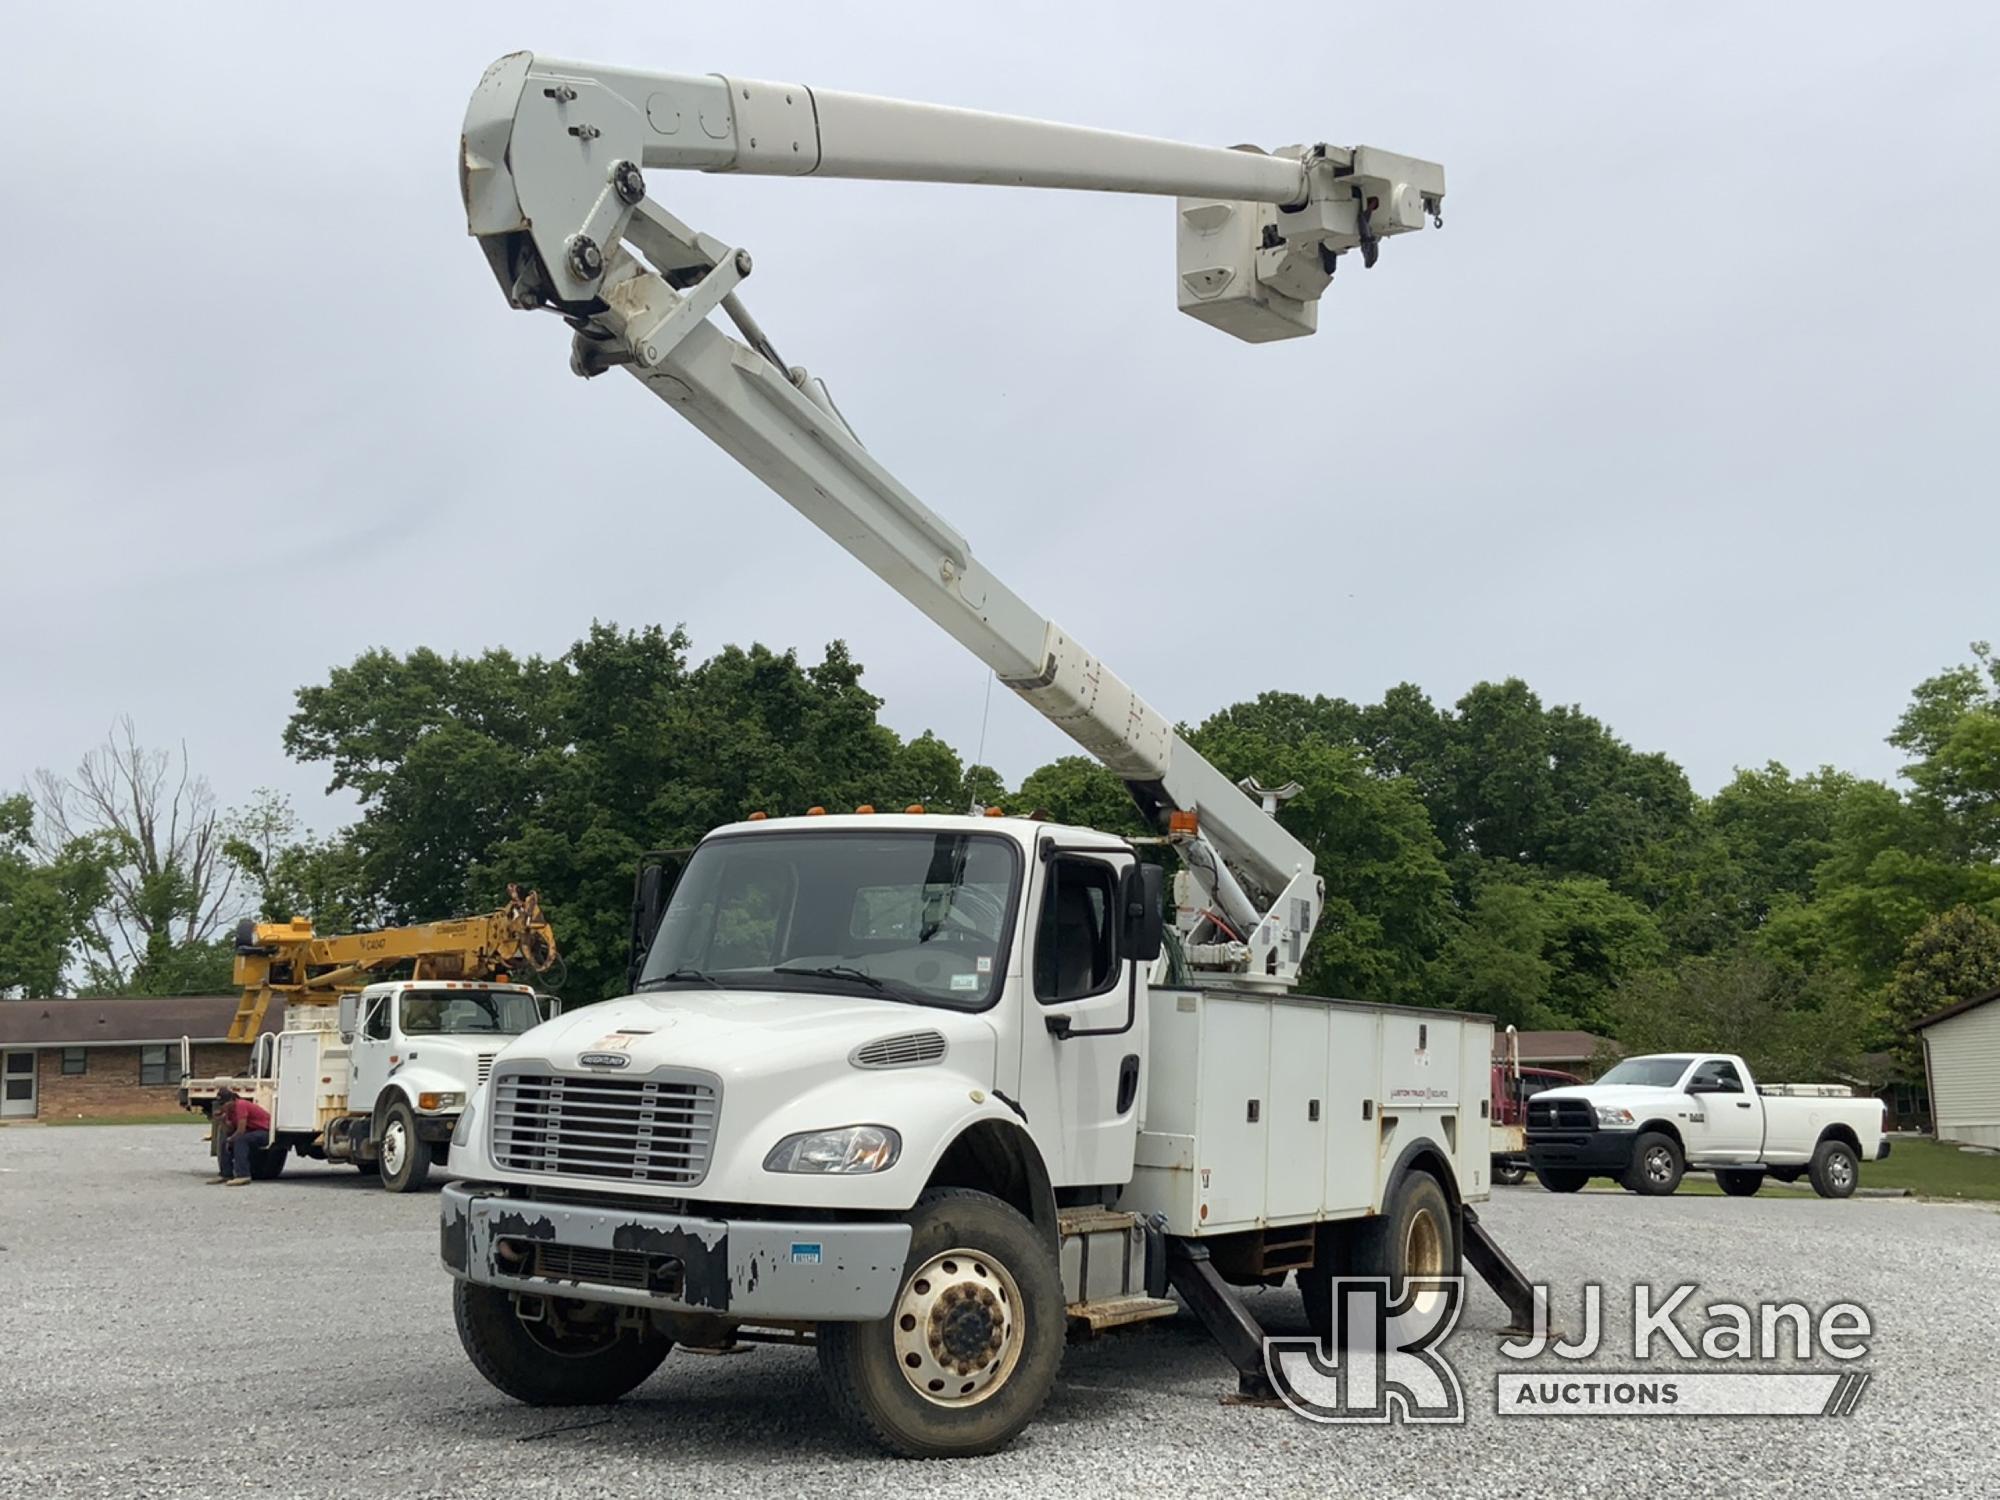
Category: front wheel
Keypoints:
(1657, 1166)
(405, 1160)
(970, 1349)
(573, 1354)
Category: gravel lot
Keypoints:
(161, 1337)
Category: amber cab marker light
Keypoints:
(994, 812)
(866, 807)
(914, 807)
(815, 812)
(757, 817)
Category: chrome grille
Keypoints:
(904, 1050)
(626, 1129)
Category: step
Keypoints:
(1120, 1312)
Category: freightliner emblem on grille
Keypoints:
(604, 1060)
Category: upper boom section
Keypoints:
(554, 148)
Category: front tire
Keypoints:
(1835, 1170)
(1509, 1174)
(576, 1356)
(971, 1347)
(404, 1160)
(1740, 1182)
(1657, 1166)
(1561, 1180)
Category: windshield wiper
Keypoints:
(682, 975)
(843, 971)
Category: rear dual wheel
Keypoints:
(1415, 1236)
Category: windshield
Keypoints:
(1649, 1072)
(921, 917)
(469, 1013)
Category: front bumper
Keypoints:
(746, 1269)
(1602, 1153)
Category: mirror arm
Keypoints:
(1061, 1029)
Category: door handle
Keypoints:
(1742, 1103)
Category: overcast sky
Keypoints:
(1686, 415)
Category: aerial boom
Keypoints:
(551, 171)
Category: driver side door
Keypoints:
(368, 1057)
(1076, 974)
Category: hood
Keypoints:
(1610, 1093)
(735, 1033)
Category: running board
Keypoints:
(1090, 1318)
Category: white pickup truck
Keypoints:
(1649, 1119)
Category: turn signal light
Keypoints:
(1183, 824)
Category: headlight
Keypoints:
(1611, 1117)
(429, 1102)
(461, 1133)
(856, 1148)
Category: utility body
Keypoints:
(933, 1091)
(376, 1075)
(1649, 1119)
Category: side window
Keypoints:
(1076, 953)
(152, 1066)
(376, 1027)
(1720, 1076)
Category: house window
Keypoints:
(152, 1066)
(74, 1061)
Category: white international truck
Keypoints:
(932, 1091)
(1649, 1119)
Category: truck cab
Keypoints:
(1649, 1119)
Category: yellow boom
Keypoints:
(289, 959)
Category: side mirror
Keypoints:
(1143, 918)
(551, 1006)
(1703, 1086)
(350, 1016)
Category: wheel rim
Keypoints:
(1659, 1165)
(1423, 1246)
(1840, 1169)
(958, 1328)
(395, 1146)
(556, 1332)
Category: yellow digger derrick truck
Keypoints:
(385, 1034)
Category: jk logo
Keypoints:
(1383, 1364)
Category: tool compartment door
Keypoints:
(1295, 1168)
(298, 1082)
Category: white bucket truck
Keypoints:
(924, 1090)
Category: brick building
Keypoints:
(100, 1055)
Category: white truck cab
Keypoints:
(1649, 1119)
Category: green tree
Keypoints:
(1952, 729)
(1955, 956)
(476, 771)
(1789, 1026)
(45, 905)
(1078, 790)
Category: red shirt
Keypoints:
(245, 1114)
